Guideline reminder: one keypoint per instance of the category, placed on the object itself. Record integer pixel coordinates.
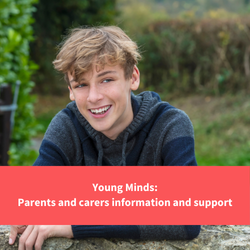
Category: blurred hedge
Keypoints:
(53, 18)
(209, 56)
(15, 64)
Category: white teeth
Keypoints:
(99, 111)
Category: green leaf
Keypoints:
(15, 35)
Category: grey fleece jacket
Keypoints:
(158, 135)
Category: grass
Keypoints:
(221, 125)
(222, 128)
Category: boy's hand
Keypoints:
(14, 230)
(35, 235)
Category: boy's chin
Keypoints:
(102, 129)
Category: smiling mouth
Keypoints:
(100, 111)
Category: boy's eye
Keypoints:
(107, 80)
(81, 85)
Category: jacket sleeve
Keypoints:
(51, 155)
(178, 144)
(61, 145)
(137, 232)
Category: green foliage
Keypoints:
(15, 35)
(222, 138)
(182, 8)
(187, 54)
(53, 19)
(221, 128)
(208, 56)
(137, 12)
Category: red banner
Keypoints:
(125, 195)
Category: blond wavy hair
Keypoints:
(85, 47)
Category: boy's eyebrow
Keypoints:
(99, 75)
(106, 72)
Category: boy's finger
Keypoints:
(39, 242)
(13, 234)
(31, 239)
(24, 237)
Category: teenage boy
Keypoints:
(105, 124)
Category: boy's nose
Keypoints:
(94, 95)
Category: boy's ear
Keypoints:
(135, 79)
(71, 95)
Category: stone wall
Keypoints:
(210, 238)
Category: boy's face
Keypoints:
(103, 98)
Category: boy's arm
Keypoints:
(51, 155)
(35, 235)
(61, 145)
(178, 145)
(179, 152)
(137, 232)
